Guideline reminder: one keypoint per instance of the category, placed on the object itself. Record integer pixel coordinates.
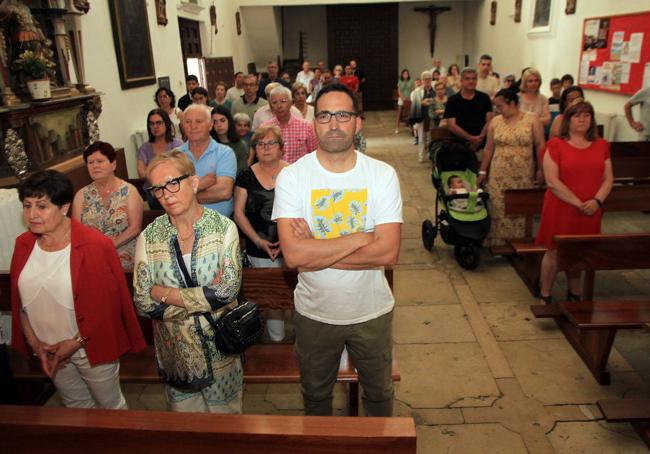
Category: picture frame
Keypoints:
(493, 13)
(570, 7)
(541, 16)
(132, 42)
(517, 16)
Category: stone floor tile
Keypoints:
(153, 398)
(422, 287)
(552, 372)
(495, 281)
(429, 416)
(412, 251)
(444, 375)
(469, 439)
(514, 321)
(596, 438)
(431, 325)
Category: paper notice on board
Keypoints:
(584, 70)
(598, 76)
(636, 42)
(625, 73)
(646, 76)
(617, 45)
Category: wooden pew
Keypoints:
(55, 430)
(524, 255)
(631, 161)
(265, 363)
(634, 411)
(591, 326)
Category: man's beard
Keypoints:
(336, 145)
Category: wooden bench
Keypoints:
(631, 161)
(524, 255)
(270, 288)
(634, 411)
(44, 429)
(591, 326)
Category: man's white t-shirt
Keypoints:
(337, 204)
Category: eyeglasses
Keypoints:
(269, 144)
(156, 123)
(172, 186)
(342, 116)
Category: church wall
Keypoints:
(124, 111)
(313, 21)
(553, 53)
(414, 53)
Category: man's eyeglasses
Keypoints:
(269, 144)
(172, 186)
(342, 116)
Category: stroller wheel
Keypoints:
(467, 255)
(429, 233)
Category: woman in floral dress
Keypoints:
(109, 204)
(508, 159)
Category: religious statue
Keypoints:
(161, 12)
(19, 32)
(433, 12)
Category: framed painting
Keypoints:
(132, 43)
(541, 16)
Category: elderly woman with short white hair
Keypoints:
(188, 268)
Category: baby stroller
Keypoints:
(465, 229)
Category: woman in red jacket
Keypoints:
(70, 302)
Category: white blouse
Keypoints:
(45, 287)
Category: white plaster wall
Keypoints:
(124, 111)
(263, 32)
(414, 53)
(553, 53)
(313, 21)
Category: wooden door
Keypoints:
(190, 40)
(218, 70)
(368, 34)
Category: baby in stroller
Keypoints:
(456, 185)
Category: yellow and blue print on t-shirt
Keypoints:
(338, 212)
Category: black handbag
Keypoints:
(237, 328)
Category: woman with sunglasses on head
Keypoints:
(109, 204)
(187, 268)
(254, 195)
(161, 139)
(166, 100)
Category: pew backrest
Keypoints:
(603, 252)
(47, 429)
(630, 160)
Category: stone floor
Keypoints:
(479, 374)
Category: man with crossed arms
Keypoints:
(339, 215)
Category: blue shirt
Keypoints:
(220, 160)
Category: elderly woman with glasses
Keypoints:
(254, 195)
(69, 299)
(187, 269)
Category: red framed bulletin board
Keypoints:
(615, 53)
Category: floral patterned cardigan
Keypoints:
(185, 349)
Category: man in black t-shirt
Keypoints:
(191, 82)
(469, 111)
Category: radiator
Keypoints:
(139, 138)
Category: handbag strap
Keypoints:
(188, 279)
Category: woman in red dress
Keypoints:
(579, 177)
